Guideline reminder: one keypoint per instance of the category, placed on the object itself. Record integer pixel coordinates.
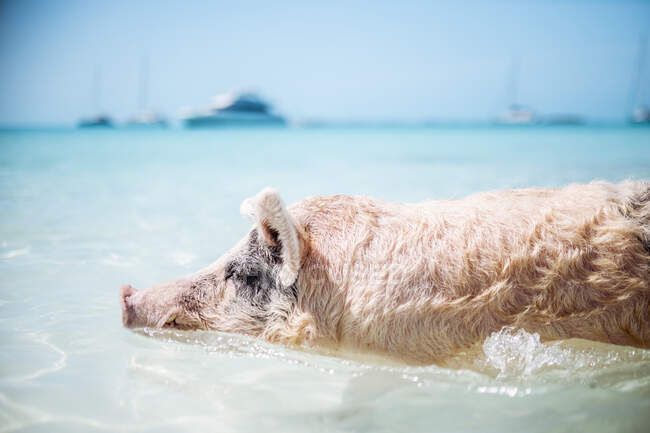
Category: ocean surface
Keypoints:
(83, 212)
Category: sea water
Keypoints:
(83, 212)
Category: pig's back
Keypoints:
(542, 259)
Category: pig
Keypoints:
(421, 283)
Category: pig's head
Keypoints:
(251, 285)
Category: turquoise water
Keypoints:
(83, 212)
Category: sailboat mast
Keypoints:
(513, 81)
(97, 89)
(143, 83)
(637, 76)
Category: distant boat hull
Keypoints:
(147, 119)
(517, 115)
(641, 116)
(96, 122)
(223, 119)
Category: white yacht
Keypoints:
(235, 110)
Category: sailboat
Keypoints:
(640, 112)
(235, 109)
(516, 114)
(99, 120)
(145, 117)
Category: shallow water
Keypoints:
(83, 212)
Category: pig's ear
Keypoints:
(277, 227)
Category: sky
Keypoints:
(347, 60)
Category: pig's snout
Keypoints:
(126, 291)
(129, 316)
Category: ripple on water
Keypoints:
(38, 354)
(512, 362)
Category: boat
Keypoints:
(146, 117)
(99, 121)
(641, 115)
(640, 112)
(517, 115)
(235, 110)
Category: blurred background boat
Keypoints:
(146, 117)
(234, 109)
(640, 111)
(641, 115)
(98, 120)
(516, 114)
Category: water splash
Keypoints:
(520, 355)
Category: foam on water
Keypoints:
(510, 355)
(518, 355)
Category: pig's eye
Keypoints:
(251, 280)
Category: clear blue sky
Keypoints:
(333, 60)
